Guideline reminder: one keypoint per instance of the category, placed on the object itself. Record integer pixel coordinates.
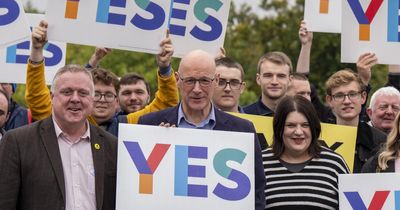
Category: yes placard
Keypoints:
(13, 58)
(323, 15)
(370, 26)
(140, 25)
(369, 191)
(181, 168)
(13, 24)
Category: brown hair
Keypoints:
(278, 58)
(106, 77)
(342, 77)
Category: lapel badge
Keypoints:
(97, 146)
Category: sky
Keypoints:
(41, 4)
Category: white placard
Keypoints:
(13, 58)
(13, 24)
(189, 169)
(323, 15)
(375, 32)
(205, 25)
(369, 191)
(140, 25)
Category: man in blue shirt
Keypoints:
(196, 81)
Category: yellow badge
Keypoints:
(97, 146)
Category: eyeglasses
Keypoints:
(234, 84)
(108, 96)
(190, 81)
(341, 96)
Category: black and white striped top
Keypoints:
(314, 187)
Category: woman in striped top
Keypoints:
(300, 173)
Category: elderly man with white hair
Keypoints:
(383, 108)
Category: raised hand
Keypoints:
(39, 40)
(166, 52)
(364, 64)
(305, 36)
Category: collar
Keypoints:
(264, 110)
(208, 123)
(59, 132)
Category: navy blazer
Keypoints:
(224, 122)
(31, 171)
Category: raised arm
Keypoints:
(306, 37)
(37, 95)
(167, 93)
(97, 56)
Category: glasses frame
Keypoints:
(185, 81)
(105, 98)
(228, 82)
(357, 95)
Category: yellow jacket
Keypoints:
(38, 98)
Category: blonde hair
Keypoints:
(342, 77)
(392, 146)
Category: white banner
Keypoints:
(370, 26)
(369, 191)
(140, 25)
(13, 58)
(181, 168)
(323, 15)
(13, 24)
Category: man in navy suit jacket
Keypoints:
(196, 80)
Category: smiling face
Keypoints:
(104, 110)
(346, 109)
(195, 67)
(72, 98)
(227, 97)
(273, 79)
(384, 111)
(133, 97)
(296, 135)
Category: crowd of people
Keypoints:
(67, 157)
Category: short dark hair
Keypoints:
(276, 57)
(132, 79)
(230, 63)
(106, 77)
(286, 106)
(298, 76)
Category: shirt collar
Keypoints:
(264, 110)
(208, 123)
(59, 132)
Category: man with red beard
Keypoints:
(383, 108)
(273, 76)
(345, 95)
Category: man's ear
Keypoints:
(369, 112)
(328, 100)
(258, 79)
(363, 97)
(243, 87)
